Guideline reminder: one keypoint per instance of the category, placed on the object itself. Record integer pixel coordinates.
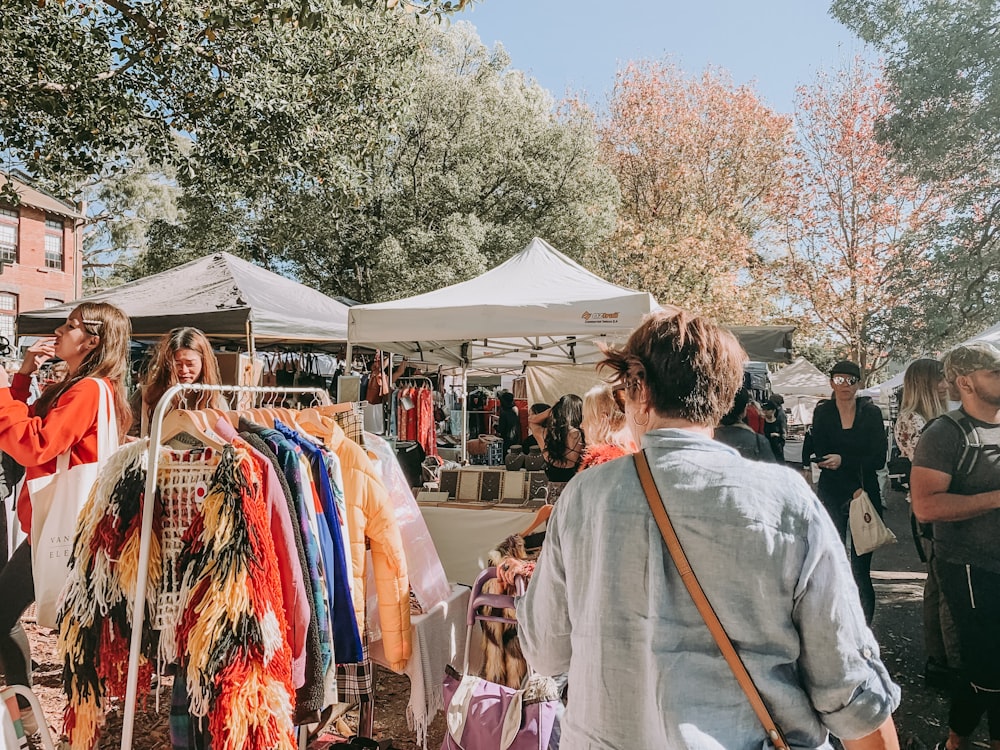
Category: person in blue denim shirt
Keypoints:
(606, 604)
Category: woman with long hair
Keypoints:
(925, 397)
(608, 436)
(560, 436)
(184, 355)
(94, 344)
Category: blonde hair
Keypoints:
(920, 389)
(605, 421)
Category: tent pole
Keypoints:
(251, 343)
(465, 414)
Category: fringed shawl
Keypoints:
(230, 634)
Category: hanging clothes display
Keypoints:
(256, 576)
(230, 628)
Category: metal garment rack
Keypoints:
(139, 603)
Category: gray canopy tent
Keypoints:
(226, 297)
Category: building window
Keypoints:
(8, 235)
(54, 244)
(52, 302)
(8, 315)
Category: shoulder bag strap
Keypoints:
(701, 602)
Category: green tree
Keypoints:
(944, 91)
(120, 210)
(477, 163)
(260, 86)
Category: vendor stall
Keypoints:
(227, 297)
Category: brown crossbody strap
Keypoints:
(704, 606)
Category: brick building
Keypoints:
(41, 242)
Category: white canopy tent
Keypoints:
(803, 385)
(538, 306)
(884, 391)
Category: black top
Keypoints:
(862, 450)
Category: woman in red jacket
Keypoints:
(94, 343)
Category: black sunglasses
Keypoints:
(844, 379)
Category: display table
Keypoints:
(464, 535)
(438, 638)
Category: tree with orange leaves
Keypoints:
(851, 221)
(698, 161)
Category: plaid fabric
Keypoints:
(356, 682)
(185, 733)
(353, 424)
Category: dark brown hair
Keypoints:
(691, 367)
(108, 360)
(163, 374)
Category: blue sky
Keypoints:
(578, 46)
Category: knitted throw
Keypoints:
(221, 607)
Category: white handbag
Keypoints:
(867, 529)
(56, 501)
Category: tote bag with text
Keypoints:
(56, 501)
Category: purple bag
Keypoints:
(483, 715)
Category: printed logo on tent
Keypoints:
(608, 318)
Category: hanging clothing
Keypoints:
(293, 591)
(426, 432)
(235, 659)
(311, 696)
(346, 634)
(371, 516)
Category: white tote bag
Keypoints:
(56, 501)
(867, 529)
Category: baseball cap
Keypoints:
(968, 358)
(846, 367)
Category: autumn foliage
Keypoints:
(699, 165)
(851, 220)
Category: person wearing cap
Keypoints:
(849, 441)
(958, 491)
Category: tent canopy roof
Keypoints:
(218, 294)
(538, 306)
(801, 378)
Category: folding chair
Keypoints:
(11, 729)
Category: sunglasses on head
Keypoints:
(618, 394)
(844, 379)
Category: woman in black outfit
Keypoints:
(561, 439)
(849, 438)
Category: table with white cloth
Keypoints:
(438, 638)
(464, 536)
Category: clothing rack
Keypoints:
(139, 603)
(409, 378)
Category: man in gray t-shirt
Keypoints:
(961, 498)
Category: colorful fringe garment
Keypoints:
(230, 630)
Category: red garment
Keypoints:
(755, 419)
(36, 442)
(595, 455)
(521, 404)
(426, 432)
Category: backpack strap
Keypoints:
(971, 444)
